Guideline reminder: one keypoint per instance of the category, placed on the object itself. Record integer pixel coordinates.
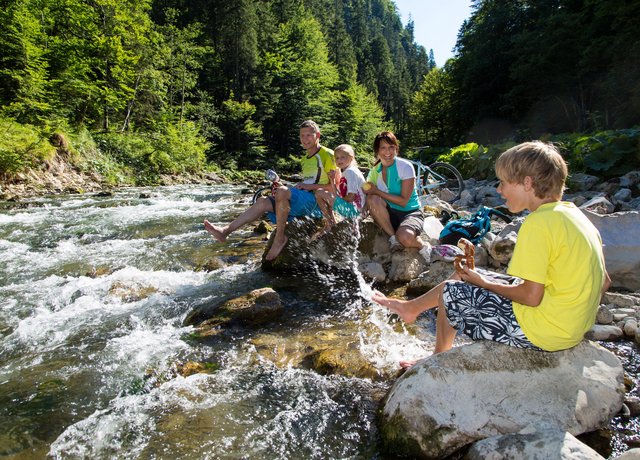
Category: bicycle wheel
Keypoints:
(443, 181)
(264, 191)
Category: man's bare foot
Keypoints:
(407, 364)
(276, 248)
(216, 232)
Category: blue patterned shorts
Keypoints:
(482, 314)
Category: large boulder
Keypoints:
(486, 389)
(621, 247)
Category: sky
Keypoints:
(436, 23)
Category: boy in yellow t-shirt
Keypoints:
(550, 295)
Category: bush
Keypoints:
(22, 146)
(605, 154)
(474, 160)
(177, 149)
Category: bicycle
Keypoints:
(439, 179)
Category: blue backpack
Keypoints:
(473, 227)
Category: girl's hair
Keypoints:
(346, 148)
(388, 137)
(538, 160)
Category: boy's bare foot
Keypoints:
(216, 232)
(398, 307)
(276, 248)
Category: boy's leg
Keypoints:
(282, 196)
(257, 210)
(445, 332)
(378, 210)
(409, 310)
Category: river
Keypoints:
(94, 291)
(93, 294)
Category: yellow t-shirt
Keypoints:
(560, 248)
(314, 169)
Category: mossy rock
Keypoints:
(255, 308)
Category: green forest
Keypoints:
(136, 89)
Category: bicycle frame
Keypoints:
(421, 186)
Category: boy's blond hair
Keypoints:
(346, 148)
(538, 160)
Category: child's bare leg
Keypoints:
(325, 201)
(283, 207)
(257, 210)
(445, 333)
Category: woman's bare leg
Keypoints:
(408, 238)
(378, 209)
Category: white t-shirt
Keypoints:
(351, 182)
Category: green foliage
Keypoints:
(473, 160)
(240, 136)
(22, 146)
(547, 67)
(177, 149)
(432, 120)
(355, 118)
(23, 67)
(604, 154)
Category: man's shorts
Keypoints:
(482, 314)
(303, 203)
(413, 220)
(344, 208)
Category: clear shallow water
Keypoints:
(93, 295)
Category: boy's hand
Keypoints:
(471, 276)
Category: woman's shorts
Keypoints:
(303, 203)
(482, 314)
(413, 220)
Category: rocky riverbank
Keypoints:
(61, 176)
